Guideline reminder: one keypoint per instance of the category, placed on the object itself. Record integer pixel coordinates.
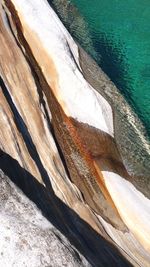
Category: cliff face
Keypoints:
(57, 140)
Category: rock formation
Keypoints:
(29, 239)
(58, 144)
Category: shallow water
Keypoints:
(121, 37)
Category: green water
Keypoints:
(120, 32)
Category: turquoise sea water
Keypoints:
(120, 31)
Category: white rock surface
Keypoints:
(88, 106)
(132, 205)
(27, 239)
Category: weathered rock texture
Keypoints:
(27, 238)
(57, 143)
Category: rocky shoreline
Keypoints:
(58, 142)
(131, 138)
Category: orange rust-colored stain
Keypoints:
(88, 158)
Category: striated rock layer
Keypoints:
(57, 140)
